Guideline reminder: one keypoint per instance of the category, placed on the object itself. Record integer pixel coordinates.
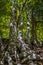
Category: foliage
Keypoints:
(6, 13)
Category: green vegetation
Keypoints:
(21, 32)
(36, 7)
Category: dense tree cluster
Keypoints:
(21, 32)
(35, 15)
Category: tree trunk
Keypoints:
(33, 29)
